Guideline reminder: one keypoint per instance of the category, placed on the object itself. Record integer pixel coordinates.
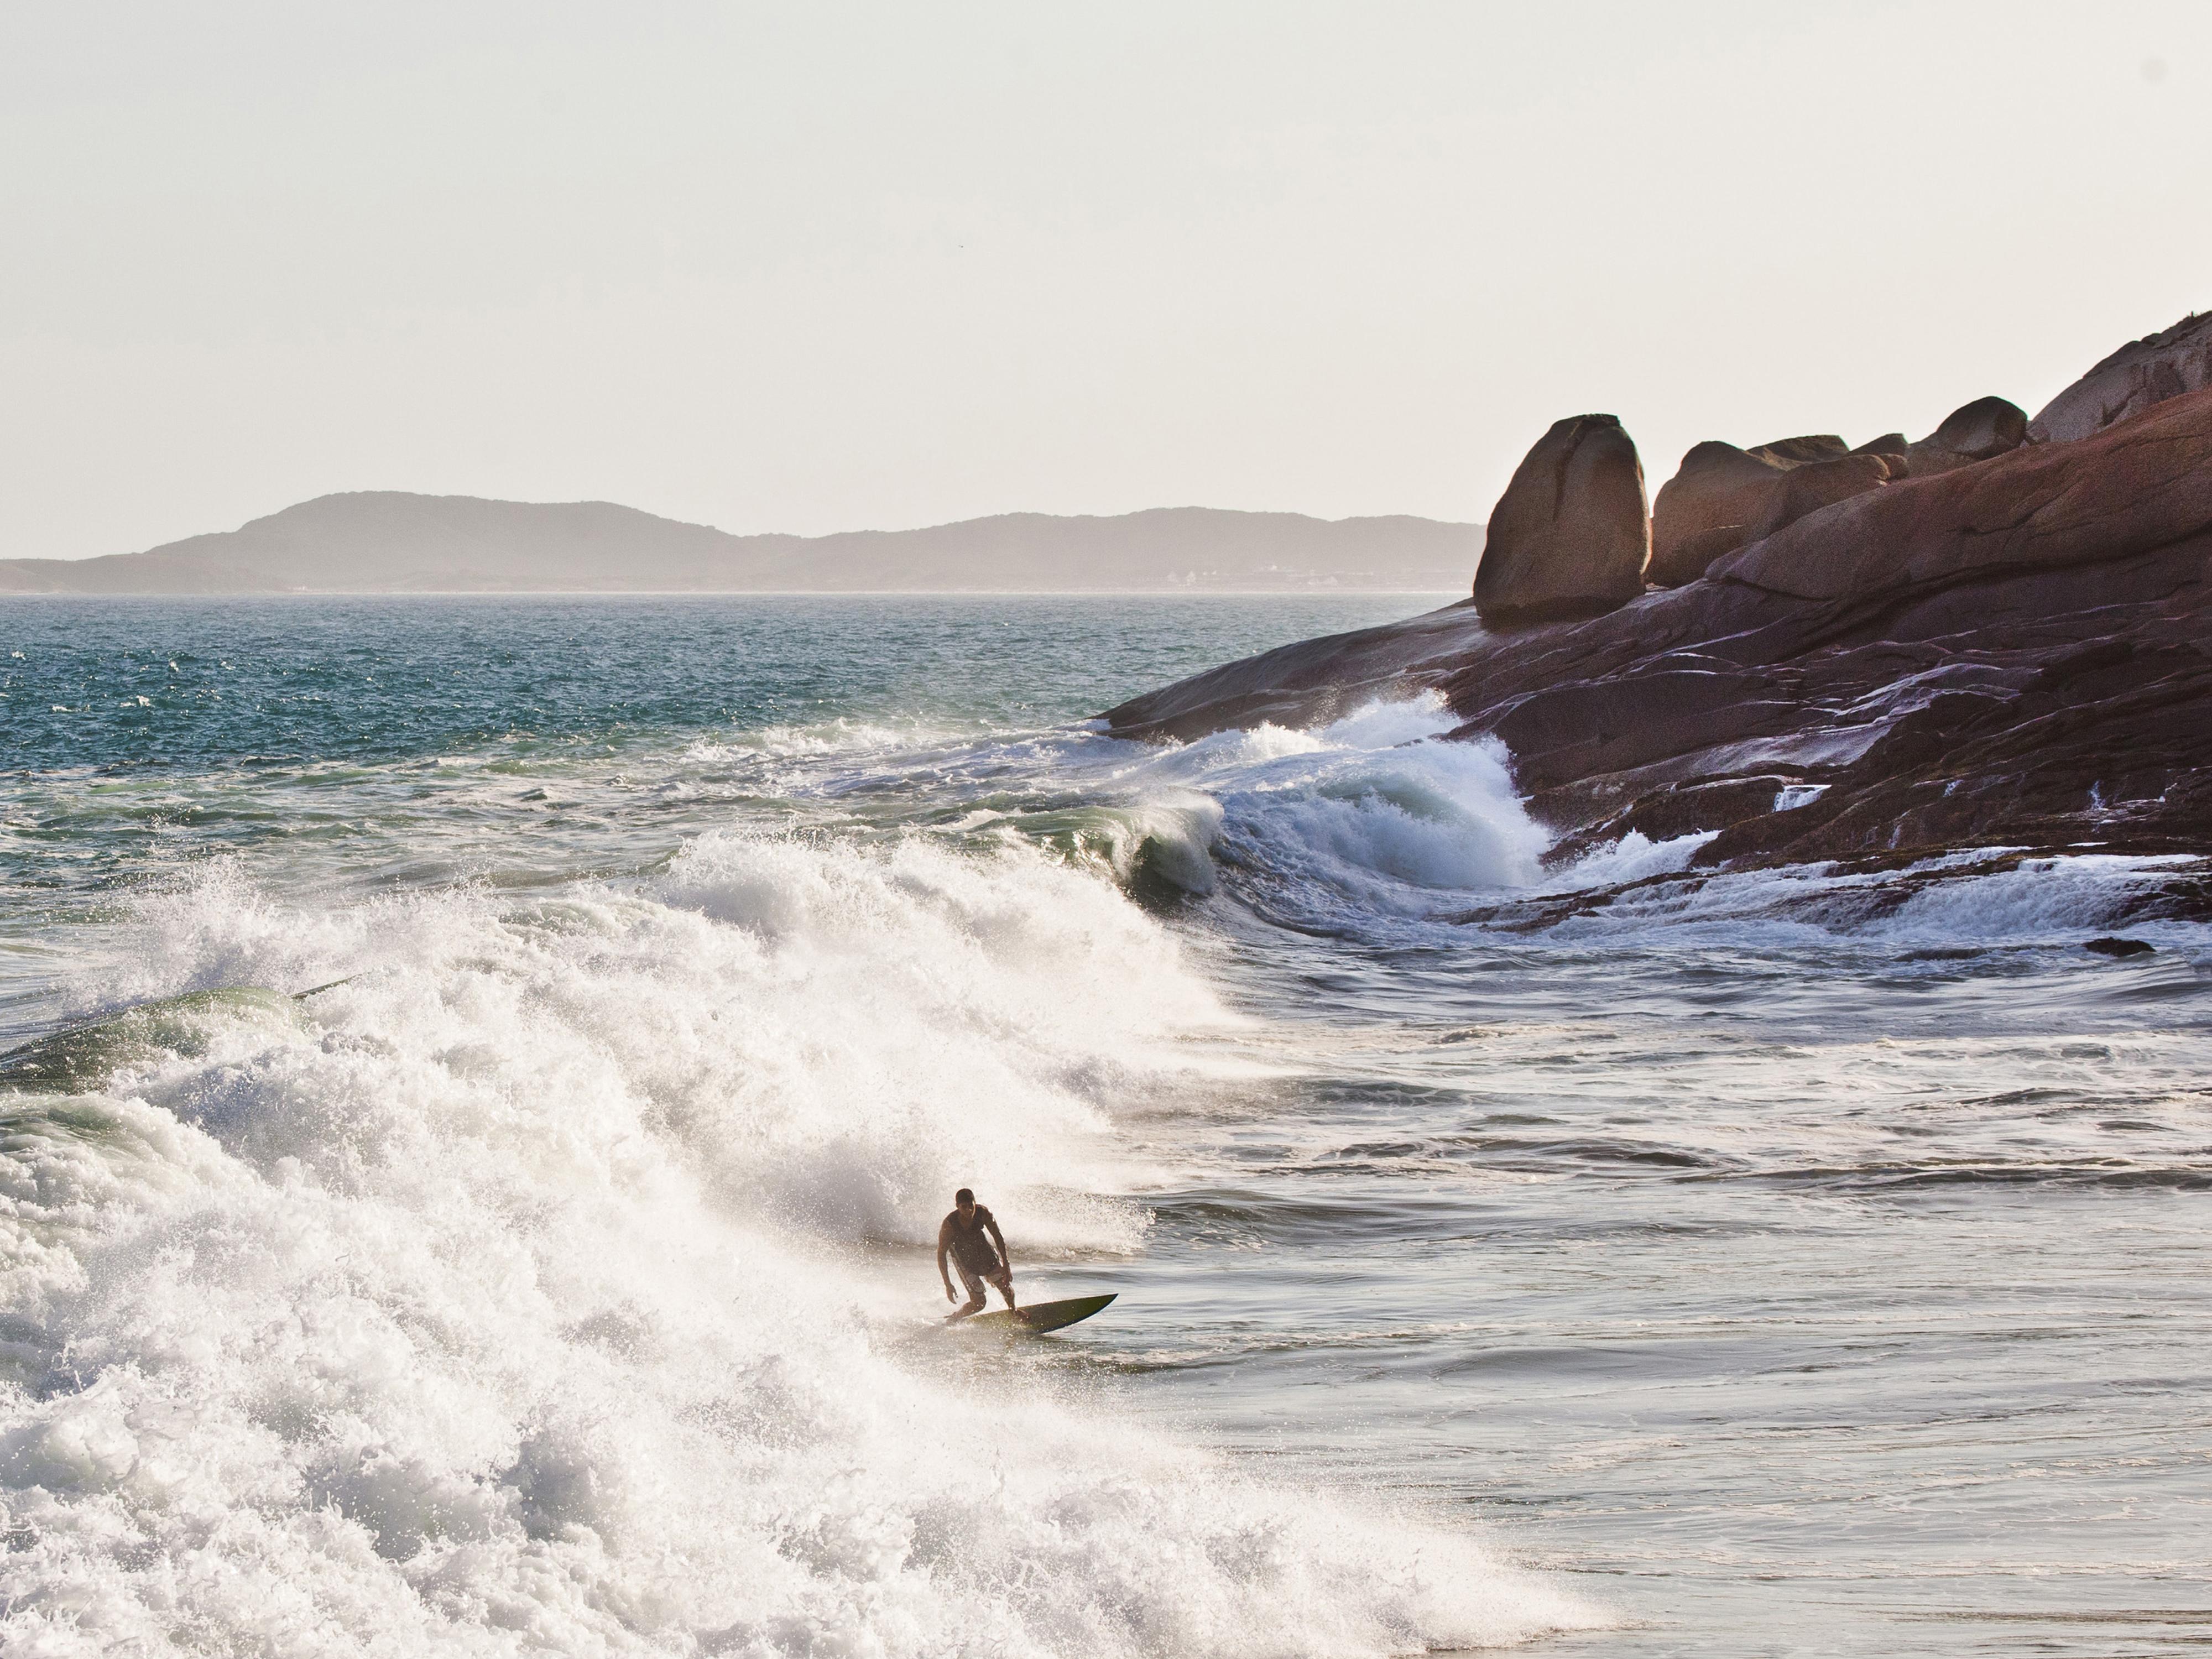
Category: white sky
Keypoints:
(816, 267)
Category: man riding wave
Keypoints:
(961, 1236)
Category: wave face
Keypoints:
(1370, 813)
(520, 1295)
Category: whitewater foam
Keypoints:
(1375, 810)
(1378, 825)
(520, 1300)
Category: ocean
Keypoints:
(485, 1075)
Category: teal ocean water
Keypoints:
(484, 1076)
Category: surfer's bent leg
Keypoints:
(1003, 1279)
(974, 1289)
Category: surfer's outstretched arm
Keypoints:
(944, 1245)
(1005, 1258)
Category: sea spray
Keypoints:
(511, 1304)
(1374, 812)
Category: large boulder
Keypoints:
(1571, 534)
(1974, 432)
(2140, 375)
(1702, 511)
(1809, 488)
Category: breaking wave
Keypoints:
(1378, 825)
(1373, 813)
(527, 1290)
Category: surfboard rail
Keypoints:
(1039, 1316)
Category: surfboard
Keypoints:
(1041, 1315)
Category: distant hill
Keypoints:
(388, 542)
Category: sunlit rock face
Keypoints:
(1721, 497)
(1706, 508)
(1810, 487)
(1572, 533)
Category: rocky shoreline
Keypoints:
(1994, 638)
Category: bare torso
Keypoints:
(969, 1242)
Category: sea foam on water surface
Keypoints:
(512, 1303)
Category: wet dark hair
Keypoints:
(965, 1195)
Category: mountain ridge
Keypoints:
(399, 542)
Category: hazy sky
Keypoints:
(820, 267)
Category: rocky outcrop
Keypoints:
(2139, 376)
(2015, 653)
(1809, 488)
(2141, 486)
(1721, 497)
(1571, 534)
(1704, 510)
(1978, 431)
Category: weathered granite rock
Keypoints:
(1572, 533)
(2015, 654)
(2140, 375)
(1798, 452)
(2134, 488)
(1809, 488)
(1722, 497)
(1890, 445)
(1974, 432)
(1701, 511)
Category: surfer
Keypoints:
(961, 1237)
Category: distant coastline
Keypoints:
(390, 541)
